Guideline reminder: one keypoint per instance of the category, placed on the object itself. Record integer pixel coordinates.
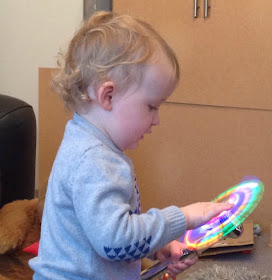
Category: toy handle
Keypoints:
(158, 268)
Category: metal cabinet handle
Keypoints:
(195, 8)
(206, 7)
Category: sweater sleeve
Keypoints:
(102, 187)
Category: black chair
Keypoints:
(17, 150)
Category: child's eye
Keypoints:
(153, 107)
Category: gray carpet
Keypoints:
(259, 260)
(219, 272)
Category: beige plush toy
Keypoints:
(20, 226)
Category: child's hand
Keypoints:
(173, 250)
(200, 213)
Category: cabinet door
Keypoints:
(225, 59)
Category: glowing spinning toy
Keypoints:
(244, 196)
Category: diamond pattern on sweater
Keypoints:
(134, 251)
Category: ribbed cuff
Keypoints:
(176, 222)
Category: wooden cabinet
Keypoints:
(226, 58)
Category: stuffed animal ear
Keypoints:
(16, 220)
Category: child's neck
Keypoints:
(96, 116)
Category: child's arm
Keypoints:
(102, 203)
(104, 200)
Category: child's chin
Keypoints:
(132, 146)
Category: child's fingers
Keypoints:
(176, 252)
(199, 213)
(217, 208)
(223, 206)
(176, 268)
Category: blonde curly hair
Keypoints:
(107, 46)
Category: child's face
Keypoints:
(137, 111)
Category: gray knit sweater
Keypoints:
(92, 225)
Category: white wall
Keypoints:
(32, 31)
(31, 34)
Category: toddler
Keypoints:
(115, 75)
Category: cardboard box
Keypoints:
(229, 245)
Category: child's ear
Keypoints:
(105, 94)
